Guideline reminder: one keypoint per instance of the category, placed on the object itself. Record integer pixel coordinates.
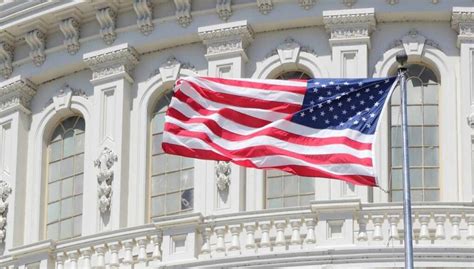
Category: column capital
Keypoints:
(112, 62)
(226, 38)
(462, 21)
(349, 26)
(16, 94)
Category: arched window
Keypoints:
(65, 180)
(172, 177)
(283, 189)
(423, 129)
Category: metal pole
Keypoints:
(401, 59)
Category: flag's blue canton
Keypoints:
(344, 103)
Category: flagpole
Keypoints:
(402, 70)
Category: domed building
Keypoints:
(84, 88)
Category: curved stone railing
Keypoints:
(325, 232)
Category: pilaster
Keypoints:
(226, 56)
(15, 96)
(349, 31)
(462, 21)
(112, 80)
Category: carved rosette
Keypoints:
(106, 18)
(70, 29)
(6, 54)
(224, 9)
(115, 60)
(5, 191)
(16, 94)
(462, 20)
(105, 176)
(346, 24)
(228, 38)
(183, 12)
(36, 41)
(223, 171)
(144, 10)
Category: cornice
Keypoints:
(462, 21)
(349, 24)
(114, 60)
(16, 94)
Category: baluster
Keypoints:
(424, 232)
(470, 227)
(362, 235)
(378, 221)
(86, 258)
(310, 236)
(295, 231)
(393, 220)
(455, 220)
(265, 228)
(280, 226)
(128, 247)
(250, 229)
(440, 220)
(142, 242)
(220, 243)
(73, 256)
(235, 232)
(60, 258)
(156, 256)
(206, 245)
(100, 250)
(114, 249)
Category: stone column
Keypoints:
(463, 22)
(226, 56)
(15, 96)
(112, 79)
(350, 42)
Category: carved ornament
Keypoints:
(16, 94)
(306, 4)
(5, 191)
(64, 97)
(183, 12)
(462, 20)
(414, 43)
(105, 176)
(170, 69)
(106, 18)
(224, 9)
(70, 29)
(6, 54)
(345, 24)
(235, 36)
(289, 50)
(36, 41)
(470, 120)
(144, 10)
(223, 171)
(264, 6)
(349, 3)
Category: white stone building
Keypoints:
(84, 87)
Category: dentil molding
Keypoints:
(183, 12)
(462, 20)
(105, 176)
(144, 10)
(70, 29)
(16, 94)
(111, 61)
(7, 42)
(226, 37)
(5, 191)
(349, 24)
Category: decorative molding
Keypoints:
(144, 10)
(16, 94)
(183, 12)
(470, 120)
(5, 191)
(64, 97)
(223, 171)
(70, 29)
(289, 48)
(306, 4)
(36, 39)
(349, 24)
(106, 17)
(105, 176)
(224, 9)
(349, 3)
(413, 43)
(227, 37)
(392, 2)
(462, 20)
(264, 6)
(118, 59)
(7, 42)
(169, 70)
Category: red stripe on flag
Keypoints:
(258, 85)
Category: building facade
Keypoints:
(84, 88)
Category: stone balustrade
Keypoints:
(250, 237)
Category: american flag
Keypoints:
(316, 128)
